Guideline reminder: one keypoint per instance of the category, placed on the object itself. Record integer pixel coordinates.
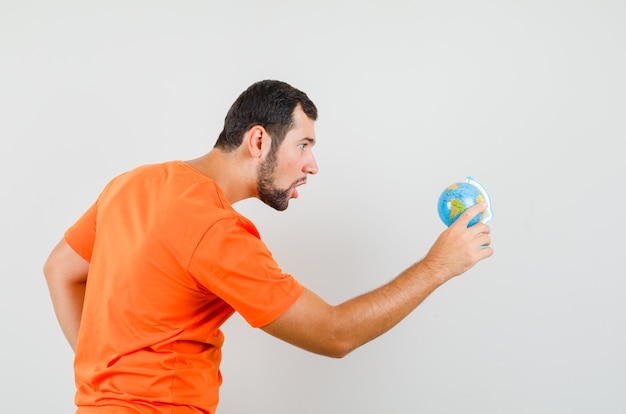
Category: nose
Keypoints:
(311, 166)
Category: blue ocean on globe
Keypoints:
(458, 197)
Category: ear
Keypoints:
(258, 141)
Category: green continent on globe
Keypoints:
(457, 198)
(456, 208)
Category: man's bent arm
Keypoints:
(334, 331)
(66, 274)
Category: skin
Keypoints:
(66, 274)
(310, 323)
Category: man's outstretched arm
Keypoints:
(66, 274)
(334, 331)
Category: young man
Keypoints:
(142, 282)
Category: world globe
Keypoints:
(458, 197)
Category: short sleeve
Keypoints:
(81, 235)
(234, 264)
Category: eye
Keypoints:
(306, 143)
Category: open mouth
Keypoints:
(298, 183)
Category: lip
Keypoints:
(297, 184)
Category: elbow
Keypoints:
(328, 344)
(332, 352)
(340, 344)
(48, 270)
(339, 353)
(51, 270)
(51, 266)
(335, 351)
(63, 265)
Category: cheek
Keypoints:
(288, 165)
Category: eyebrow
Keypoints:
(309, 140)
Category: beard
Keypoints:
(271, 195)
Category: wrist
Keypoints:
(433, 273)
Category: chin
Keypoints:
(281, 207)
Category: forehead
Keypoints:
(303, 126)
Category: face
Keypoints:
(287, 168)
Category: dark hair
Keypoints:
(268, 103)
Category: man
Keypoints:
(142, 282)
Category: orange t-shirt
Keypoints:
(170, 261)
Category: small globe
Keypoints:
(458, 197)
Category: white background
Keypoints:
(529, 97)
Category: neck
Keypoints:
(235, 177)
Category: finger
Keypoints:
(485, 252)
(480, 229)
(470, 213)
(484, 243)
(483, 239)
